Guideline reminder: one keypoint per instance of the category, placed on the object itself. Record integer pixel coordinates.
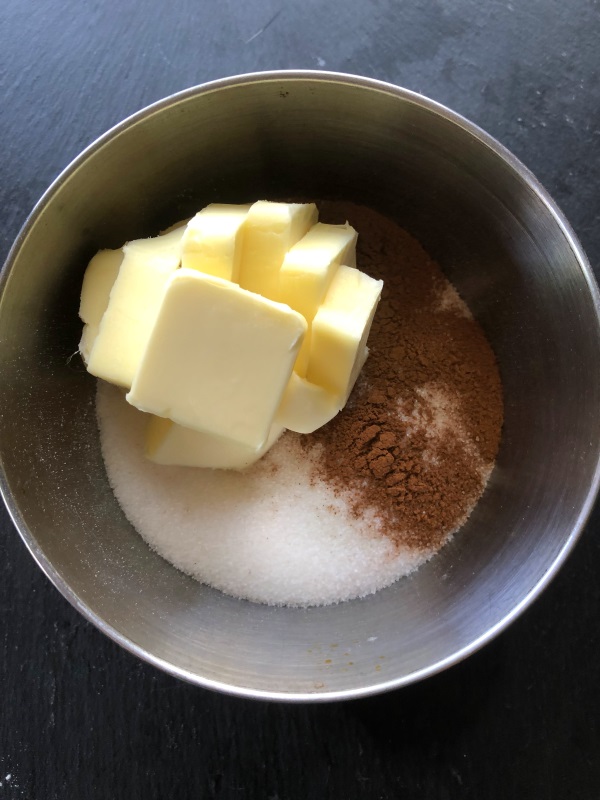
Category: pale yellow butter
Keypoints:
(310, 265)
(270, 230)
(356, 369)
(301, 365)
(306, 407)
(168, 443)
(213, 241)
(98, 280)
(219, 358)
(88, 337)
(340, 329)
(225, 370)
(134, 301)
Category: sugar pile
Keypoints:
(271, 534)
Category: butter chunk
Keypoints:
(340, 329)
(168, 443)
(358, 365)
(306, 406)
(98, 280)
(219, 358)
(134, 302)
(88, 337)
(301, 365)
(213, 240)
(270, 230)
(309, 266)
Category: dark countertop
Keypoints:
(79, 717)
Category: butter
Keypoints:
(356, 369)
(88, 337)
(219, 358)
(301, 365)
(98, 280)
(168, 443)
(306, 406)
(340, 330)
(310, 265)
(270, 230)
(213, 240)
(135, 298)
(229, 328)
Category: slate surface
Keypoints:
(80, 718)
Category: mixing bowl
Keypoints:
(499, 238)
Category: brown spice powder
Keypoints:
(420, 434)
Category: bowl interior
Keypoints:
(498, 240)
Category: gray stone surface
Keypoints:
(80, 718)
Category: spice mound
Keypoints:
(418, 440)
(352, 507)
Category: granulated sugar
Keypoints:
(270, 534)
(367, 498)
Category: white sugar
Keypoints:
(450, 300)
(271, 534)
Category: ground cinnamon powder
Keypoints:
(419, 436)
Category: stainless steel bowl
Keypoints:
(500, 239)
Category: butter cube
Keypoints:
(212, 241)
(218, 359)
(301, 365)
(358, 365)
(179, 224)
(168, 443)
(270, 230)
(88, 337)
(340, 329)
(306, 407)
(98, 280)
(309, 266)
(134, 302)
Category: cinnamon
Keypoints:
(419, 436)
